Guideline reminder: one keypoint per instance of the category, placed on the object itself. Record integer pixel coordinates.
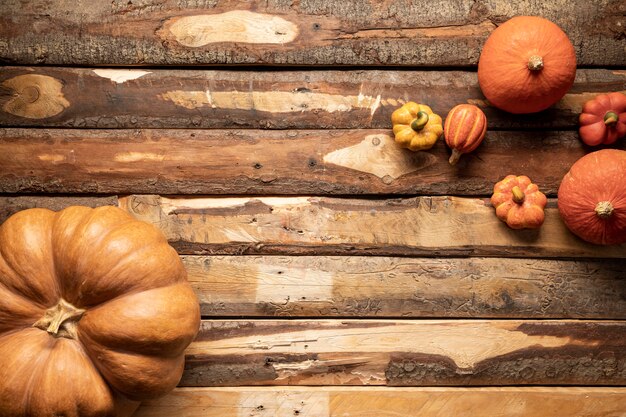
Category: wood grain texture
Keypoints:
(314, 162)
(328, 99)
(355, 286)
(407, 353)
(433, 226)
(388, 402)
(279, 32)
(11, 205)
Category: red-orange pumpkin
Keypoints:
(464, 130)
(95, 313)
(518, 202)
(603, 119)
(592, 197)
(527, 64)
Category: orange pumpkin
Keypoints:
(603, 119)
(527, 64)
(592, 197)
(95, 313)
(519, 203)
(464, 130)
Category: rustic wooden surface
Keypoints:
(364, 286)
(434, 226)
(256, 135)
(388, 402)
(316, 162)
(407, 352)
(279, 32)
(320, 99)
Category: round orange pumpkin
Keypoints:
(519, 203)
(464, 130)
(592, 197)
(95, 313)
(603, 119)
(526, 65)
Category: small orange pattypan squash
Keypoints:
(603, 119)
(518, 202)
(416, 127)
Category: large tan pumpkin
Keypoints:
(95, 313)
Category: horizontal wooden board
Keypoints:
(306, 286)
(277, 32)
(116, 98)
(12, 204)
(407, 353)
(434, 226)
(297, 162)
(388, 402)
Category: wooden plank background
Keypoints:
(256, 135)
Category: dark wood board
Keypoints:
(300, 99)
(292, 162)
(279, 32)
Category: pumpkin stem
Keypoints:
(535, 63)
(604, 209)
(454, 158)
(611, 118)
(518, 195)
(60, 320)
(419, 123)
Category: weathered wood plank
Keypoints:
(116, 98)
(388, 402)
(354, 32)
(434, 226)
(407, 353)
(305, 286)
(11, 205)
(314, 162)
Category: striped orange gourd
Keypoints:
(464, 130)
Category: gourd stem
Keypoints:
(421, 121)
(59, 320)
(454, 158)
(535, 63)
(604, 209)
(518, 195)
(610, 118)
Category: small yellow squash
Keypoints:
(416, 127)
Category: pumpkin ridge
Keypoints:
(36, 288)
(458, 130)
(36, 370)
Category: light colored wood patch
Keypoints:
(120, 76)
(279, 284)
(138, 156)
(240, 26)
(466, 344)
(51, 157)
(379, 155)
(35, 96)
(169, 205)
(275, 101)
(284, 404)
